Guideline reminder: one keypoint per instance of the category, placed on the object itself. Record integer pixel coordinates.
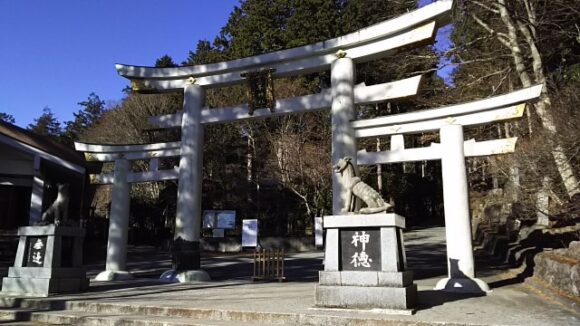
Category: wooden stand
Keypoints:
(268, 265)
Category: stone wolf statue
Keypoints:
(358, 190)
(58, 210)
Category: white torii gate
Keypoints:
(339, 55)
(122, 155)
(449, 121)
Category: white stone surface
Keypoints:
(51, 277)
(342, 77)
(154, 164)
(500, 101)
(132, 177)
(460, 263)
(51, 229)
(360, 53)
(331, 251)
(113, 276)
(390, 258)
(307, 103)
(144, 155)
(366, 297)
(462, 285)
(471, 119)
(36, 197)
(364, 220)
(368, 278)
(41, 287)
(471, 148)
(94, 148)
(119, 218)
(43, 272)
(329, 278)
(172, 276)
(357, 278)
(188, 216)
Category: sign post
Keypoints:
(318, 232)
(250, 233)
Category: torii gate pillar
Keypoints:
(342, 77)
(118, 226)
(186, 249)
(460, 266)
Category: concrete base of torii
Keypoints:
(173, 276)
(113, 276)
(462, 285)
(186, 263)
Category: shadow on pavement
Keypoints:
(431, 298)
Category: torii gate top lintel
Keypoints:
(379, 40)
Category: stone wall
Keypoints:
(560, 269)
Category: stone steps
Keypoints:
(85, 313)
(88, 318)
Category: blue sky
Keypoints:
(55, 53)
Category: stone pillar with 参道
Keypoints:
(48, 260)
(365, 264)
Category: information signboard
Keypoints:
(226, 219)
(219, 219)
(209, 219)
(250, 233)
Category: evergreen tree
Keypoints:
(93, 109)
(205, 53)
(165, 62)
(7, 118)
(46, 125)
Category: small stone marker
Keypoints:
(48, 260)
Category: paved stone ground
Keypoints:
(232, 299)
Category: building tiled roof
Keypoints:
(42, 143)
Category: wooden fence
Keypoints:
(268, 265)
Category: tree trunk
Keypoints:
(379, 170)
(544, 104)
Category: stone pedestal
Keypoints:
(48, 260)
(364, 264)
(185, 263)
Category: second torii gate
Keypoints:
(452, 151)
(121, 178)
